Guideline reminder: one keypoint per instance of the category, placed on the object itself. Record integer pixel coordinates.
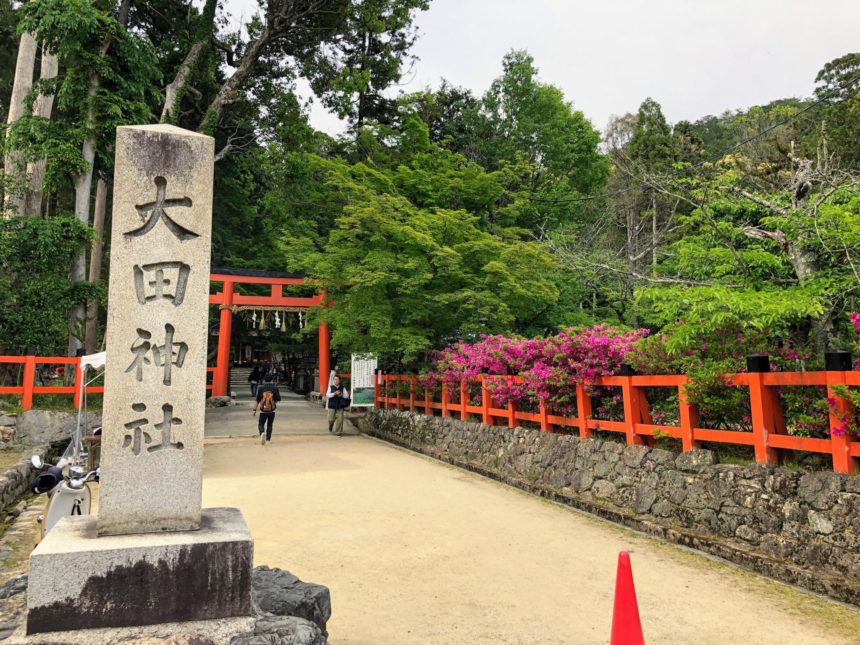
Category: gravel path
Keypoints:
(415, 551)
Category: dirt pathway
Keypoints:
(415, 551)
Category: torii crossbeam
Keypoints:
(227, 300)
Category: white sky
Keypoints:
(695, 57)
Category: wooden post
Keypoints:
(464, 400)
(841, 414)
(221, 378)
(411, 393)
(512, 409)
(376, 389)
(324, 342)
(427, 408)
(583, 411)
(29, 377)
(486, 401)
(689, 416)
(397, 381)
(543, 413)
(445, 412)
(763, 407)
(632, 410)
(79, 380)
(386, 394)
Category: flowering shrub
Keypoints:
(549, 368)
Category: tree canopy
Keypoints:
(438, 215)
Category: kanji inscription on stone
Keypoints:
(164, 356)
(161, 281)
(136, 431)
(154, 211)
(158, 309)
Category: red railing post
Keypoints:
(543, 414)
(79, 379)
(411, 394)
(583, 411)
(29, 377)
(387, 390)
(841, 412)
(427, 408)
(377, 377)
(397, 381)
(634, 405)
(512, 408)
(689, 416)
(486, 400)
(445, 412)
(464, 400)
(841, 415)
(765, 410)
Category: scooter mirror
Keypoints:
(37, 462)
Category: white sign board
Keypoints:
(361, 380)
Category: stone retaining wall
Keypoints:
(796, 526)
(40, 432)
(16, 480)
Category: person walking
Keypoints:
(268, 396)
(254, 379)
(337, 400)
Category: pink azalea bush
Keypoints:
(549, 368)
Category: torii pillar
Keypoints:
(221, 378)
(325, 357)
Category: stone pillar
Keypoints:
(158, 307)
(151, 556)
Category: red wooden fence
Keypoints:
(27, 388)
(768, 438)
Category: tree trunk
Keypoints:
(805, 265)
(174, 92)
(42, 108)
(21, 87)
(92, 327)
(83, 186)
(630, 286)
(654, 230)
(230, 89)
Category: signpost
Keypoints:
(361, 380)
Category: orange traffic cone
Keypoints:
(626, 627)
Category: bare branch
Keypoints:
(761, 234)
(758, 200)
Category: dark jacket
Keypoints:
(255, 375)
(268, 387)
(338, 402)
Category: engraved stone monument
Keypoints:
(111, 570)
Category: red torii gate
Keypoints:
(227, 299)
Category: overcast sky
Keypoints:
(695, 57)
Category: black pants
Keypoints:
(267, 418)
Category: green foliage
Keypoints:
(839, 85)
(370, 55)
(404, 277)
(35, 291)
(88, 41)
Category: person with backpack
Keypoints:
(337, 400)
(268, 396)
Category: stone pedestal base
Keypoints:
(81, 581)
